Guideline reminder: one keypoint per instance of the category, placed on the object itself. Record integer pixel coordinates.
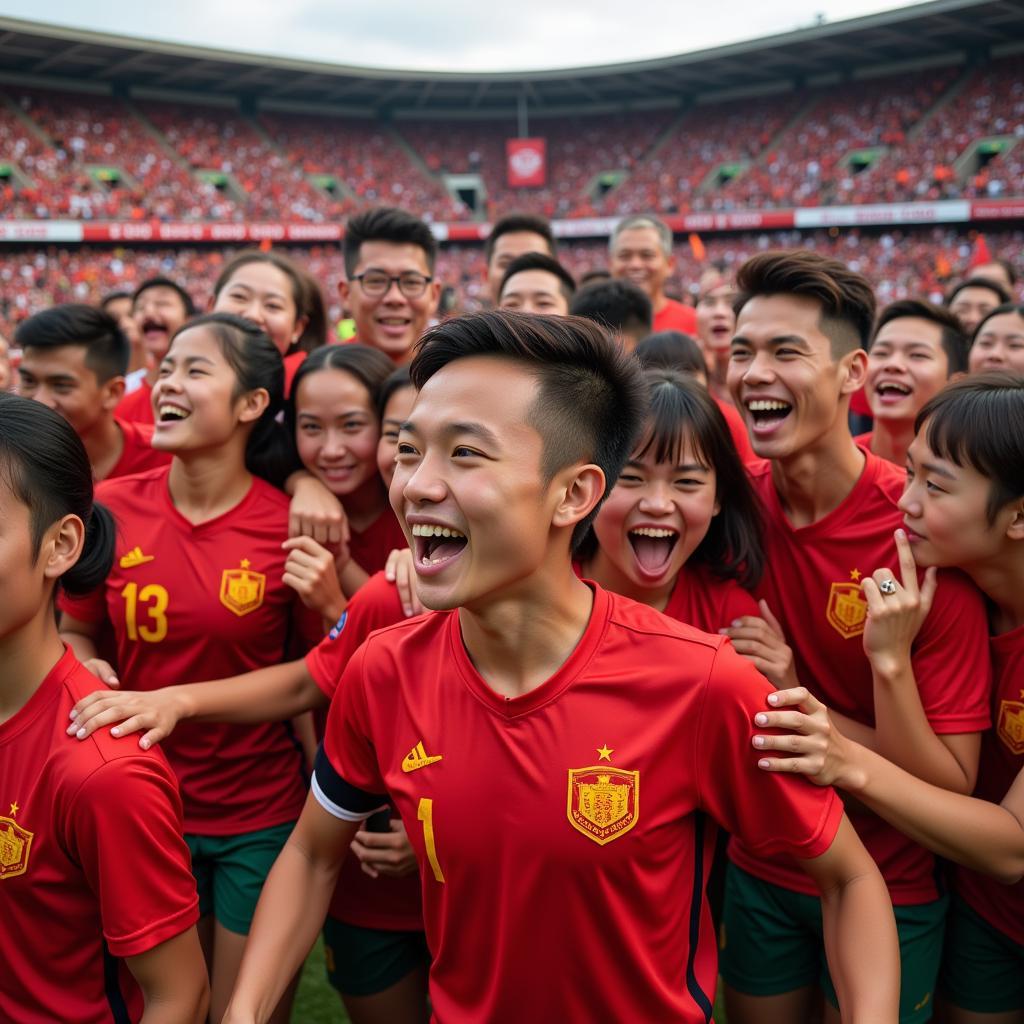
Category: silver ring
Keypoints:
(887, 586)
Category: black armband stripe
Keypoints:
(341, 798)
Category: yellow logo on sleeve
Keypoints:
(135, 558)
(419, 758)
(15, 844)
(242, 590)
(603, 802)
(847, 610)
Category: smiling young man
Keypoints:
(389, 285)
(516, 727)
(916, 349)
(830, 513)
(74, 361)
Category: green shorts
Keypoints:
(365, 961)
(230, 871)
(772, 942)
(982, 969)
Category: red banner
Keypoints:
(527, 163)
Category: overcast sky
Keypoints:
(449, 35)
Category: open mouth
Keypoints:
(435, 546)
(767, 413)
(892, 391)
(154, 328)
(167, 413)
(652, 546)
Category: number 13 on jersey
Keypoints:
(152, 601)
(425, 813)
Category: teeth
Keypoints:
(172, 410)
(650, 531)
(767, 405)
(430, 530)
(892, 386)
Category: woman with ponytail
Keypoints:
(197, 590)
(95, 872)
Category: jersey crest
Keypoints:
(1010, 726)
(604, 802)
(242, 590)
(847, 610)
(15, 843)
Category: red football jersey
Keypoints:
(675, 316)
(865, 439)
(190, 603)
(701, 599)
(571, 826)
(137, 407)
(93, 867)
(391, 904)
(1002, 758)
(292, 363)
(138, 453)
(738, 430)
(371, 547)
(812, 585)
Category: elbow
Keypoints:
(1009, 871)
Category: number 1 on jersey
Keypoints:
(425, 813)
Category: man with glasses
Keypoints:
(389, 289)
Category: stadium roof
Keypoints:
(940, 31)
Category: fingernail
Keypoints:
(761, 719)
(115, 731)
(80, 734)
(71, 729)
(901, 535)
(73, 714)
(144, 744)
(735, 623)
(773, 698)
(763, 764)
(758, 741)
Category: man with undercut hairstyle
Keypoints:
(535, 283)
(74, 361)
(830, 512)
(641, 252)
(620, 307)
(512, 236)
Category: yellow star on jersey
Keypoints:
(245, 563)
(14, 808)
(855, 575)
(604, 753)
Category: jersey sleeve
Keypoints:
(770, 812)
(951, 658)
(124, 828)
(346, 779)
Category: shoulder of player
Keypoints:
(637, 618)
(389, 640)
(887, 479)
(265, 496)
(126, 489)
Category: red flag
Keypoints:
(697, 248)
(981, 253)
(527, 163)
(265, 245)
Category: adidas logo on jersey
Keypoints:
(418, 758)
(134, 558)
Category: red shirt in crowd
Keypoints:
(1002, 758)
(812, 585)
(675, 316)
(195, 602)
(137, 407)
(565, 826)
(93, 867)
(738, 430)
(370, 548)
(138, 453)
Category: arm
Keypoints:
(859, 928)
(313, 573)
(80, 636)
(290, 912)
(315, 512)
(983, 836)
(267, 695)
(173, 980)
(762, 642)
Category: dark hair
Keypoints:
(165, 282)
(540, 261)
(368, 365)
(680, 410)
(979, 422)
(120, 293)
(589, 403)
(979, 282)
(598, 276)
(954, 341)
(306, 294)
(671, 350)
(74, 323)
(846, 298)
(43, 462)
(256, 364)
(395, 381)
(387, 224)
(512, 222)
(1006, 307)
(999, 261)
(616, 305)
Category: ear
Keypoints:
(959, 375)
(111, 393)
(343, 290)
(300, 326)
(252, 405)
(580, 488)
(62, 546)
(856, 363)
(435, 296)
(1015, 528)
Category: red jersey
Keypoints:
(812, 584)
(138, 453)
(93, 867)
(1002, 758)
(195, 602)
(370, 548)
(292, 363)
(675, 316)
(737, 429)
(701, 599)
(859, 403)
(391, 904)
(865, 439)
(533, 839)
(137, 406)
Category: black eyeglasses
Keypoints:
(376, 283)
